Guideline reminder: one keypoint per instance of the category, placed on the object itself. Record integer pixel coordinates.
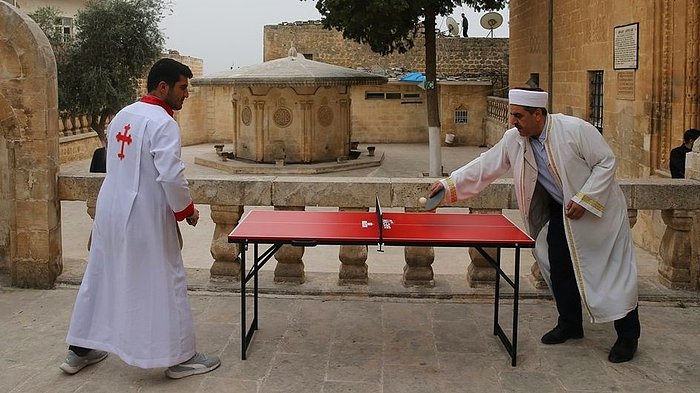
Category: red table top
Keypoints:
(429, 229)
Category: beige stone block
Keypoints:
(333, 192)
(32, 155)
(243, 190)
(657, 193)
(34, 245)
(29, 274)
(33, 185)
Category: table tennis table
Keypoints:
(312, 228)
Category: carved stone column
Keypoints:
(290, 266)
(480, 273)
(675, 249)
(227, 263)
(353, 260)
(236, 123)
(259, 115)
(307, 130)
(418, 270)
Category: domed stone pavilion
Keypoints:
(291, 109)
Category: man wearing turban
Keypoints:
(564, 177)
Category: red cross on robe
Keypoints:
(124, 138)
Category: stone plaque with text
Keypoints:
(626, 47)
(625, 85)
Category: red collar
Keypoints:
(153, 100)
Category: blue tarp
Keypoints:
(413, 77)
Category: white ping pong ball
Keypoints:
(422, 200)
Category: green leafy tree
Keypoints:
(392, 25)
(114, 44)
(48, 18)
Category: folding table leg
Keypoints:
(244, 344)
(497, 293)
(516, 296)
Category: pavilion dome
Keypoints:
(293, 70)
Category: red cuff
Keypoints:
(188, 211)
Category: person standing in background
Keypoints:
(676, 161)
(465, 25)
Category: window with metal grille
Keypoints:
(461, 116)
(595, 99)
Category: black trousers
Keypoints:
(80, 351)
(564, 286)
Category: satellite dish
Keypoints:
(491, 21)
(452, 27)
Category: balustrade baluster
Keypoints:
(353, 260)
(290, 266)
(480, 273)
(676, 250)
(418, 270)
(227, 263)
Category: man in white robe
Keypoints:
(564, 177)
(133, 298)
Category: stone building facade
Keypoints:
(396, 112)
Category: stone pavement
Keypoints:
(383, 337)
(365, 344)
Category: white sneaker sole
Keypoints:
(68, 369)
(190, 371)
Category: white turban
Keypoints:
(534, 99)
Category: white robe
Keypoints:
(600, 242)
(133, 299)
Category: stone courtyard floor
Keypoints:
(382, 337)
(332, 344)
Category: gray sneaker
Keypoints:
(75, 363)
(198, 364)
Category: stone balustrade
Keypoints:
(497, 109)
(73, 125)
(496, 119)
(678, 200)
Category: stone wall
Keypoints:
(388, 120)
(78, 147)
(456, 55)
(195, 64)
(469, 98)
(404, 119)
(29, 156)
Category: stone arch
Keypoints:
(30, 225)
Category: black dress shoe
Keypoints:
(560, 334)
(623, 350)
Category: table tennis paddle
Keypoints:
(435, 200)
